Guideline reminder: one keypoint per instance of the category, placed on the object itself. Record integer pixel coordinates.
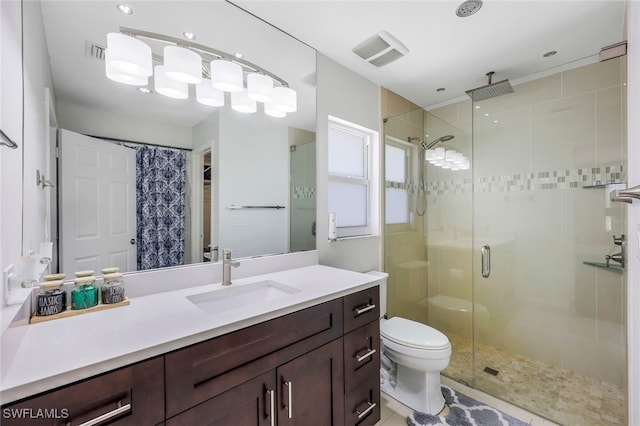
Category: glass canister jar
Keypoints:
(52, 298)
(85, 294)
(113, 288)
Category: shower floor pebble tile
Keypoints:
(552, 392)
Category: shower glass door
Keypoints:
(549, 319)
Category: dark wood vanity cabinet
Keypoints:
(318, 366)
(362, 357)
(132, 395)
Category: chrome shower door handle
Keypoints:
(486, 261)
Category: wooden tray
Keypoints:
(73, 312)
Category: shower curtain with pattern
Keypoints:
(160, 210)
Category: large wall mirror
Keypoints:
(246, 181)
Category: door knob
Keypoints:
(132, 241)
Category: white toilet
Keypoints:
(413, 355)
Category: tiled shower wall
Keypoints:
(534, 195)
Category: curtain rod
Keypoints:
(139, 143)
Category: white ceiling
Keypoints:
(505, 36)
(445, 51)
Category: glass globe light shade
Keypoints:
(129, 55)
(259, 87)
(182, 64)
(226, 75)
(284, 99)
(206, 94)
(121, 76)
(241, 102)
(168, 86)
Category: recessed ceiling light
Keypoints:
(144, 90)
(189, 36)
(486, 114)
(477, 107)
(125, 9)
(468, 8)
(550, 54)
(440, 89)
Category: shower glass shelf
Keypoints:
(603, 265)
(602, 185)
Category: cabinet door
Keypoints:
(310, 388)
(251, 403)
(132, 395)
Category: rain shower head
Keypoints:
(491, 90)
(427, 146)
(440, 139)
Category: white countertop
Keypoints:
(39, 357)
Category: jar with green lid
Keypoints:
(84, 294)
(52, 298)
(113, 288)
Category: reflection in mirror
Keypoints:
(214, 177)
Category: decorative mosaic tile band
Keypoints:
(558, 179)
(304, 192)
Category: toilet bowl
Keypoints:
(413, 355)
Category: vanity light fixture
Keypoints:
(129, 60)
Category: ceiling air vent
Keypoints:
(381, 49)
(93, 50)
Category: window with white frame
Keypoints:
(397, 169)
(350, 191)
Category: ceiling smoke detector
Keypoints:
(381, 49)
(468, 8)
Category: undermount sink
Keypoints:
(240, 296)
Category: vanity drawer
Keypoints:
(361, 308)
(207, 369)
(132, 395)
(362, 354)
(362, 404)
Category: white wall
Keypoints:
(103, 124)
(11, 124)
(252, 169)
(346, 95)
(37, 77)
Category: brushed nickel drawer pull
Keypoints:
(365, 356)
(107, 416)
(366, 308)
(371, 406)
(289, 404)
(272, 405)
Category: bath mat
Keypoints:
(464, 411)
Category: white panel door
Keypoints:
(97, 204)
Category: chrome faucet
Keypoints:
(227, 264)
(618, 257)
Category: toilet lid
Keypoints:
(413, 334)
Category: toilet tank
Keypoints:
(382, 276)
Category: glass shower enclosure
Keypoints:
(508, 259)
